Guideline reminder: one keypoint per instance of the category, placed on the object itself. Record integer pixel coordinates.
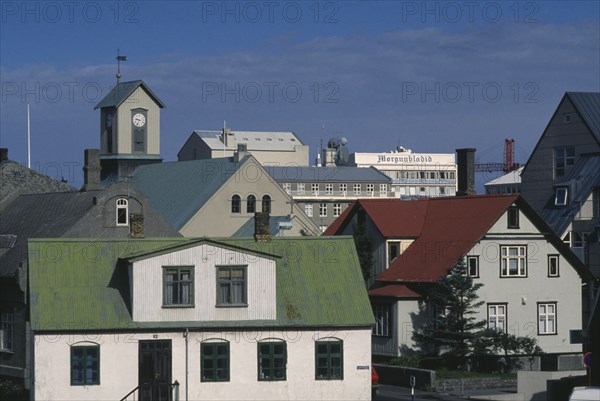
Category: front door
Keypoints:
(155, 370)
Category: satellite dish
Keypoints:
(343, 141)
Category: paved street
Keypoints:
(394, 393)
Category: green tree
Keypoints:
(455, 327)
(364, 249)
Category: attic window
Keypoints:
(122, 212)
(292, 139)
(567, 118)
(269, 139)
(280, 139)
(513, 217)
(560, 198)
(258, 139)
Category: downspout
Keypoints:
(187, 332)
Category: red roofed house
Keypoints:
(532, 281)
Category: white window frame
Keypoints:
(337, 209)
(497, 317)
(322, 209)
(370, 189)
(314, 188)
(553, 260)
(287, 187)
(356, 188)
(561, 196)
(506, 258)
(329, 189)
(344, 189)
(122, 204)
(546, 318)
(7, 331)
(383, 189)
(475, 260)
(383, 314)
(300, 188)
(308, 209)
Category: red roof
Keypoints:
(451, 227)
(394, 290)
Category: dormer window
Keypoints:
(122, 212)
(560, 197)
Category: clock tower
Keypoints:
(129, 129)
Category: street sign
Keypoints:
(587, 360)
(580, 336)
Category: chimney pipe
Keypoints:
(261, 227)
(136, 225)
(465, 160)
(91, 170)
(3, 154)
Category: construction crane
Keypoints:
(509, 161)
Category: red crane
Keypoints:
(509, 160)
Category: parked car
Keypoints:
(585, 394)
(374, 382)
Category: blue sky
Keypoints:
(431, 76)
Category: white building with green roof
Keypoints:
(224, 318)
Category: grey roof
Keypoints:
(514, 177)
(47, 215)
(327, 174)
(19, 180)
(254, 140)
(122, 91)
(247, 230)
(177, 190)
(588, 106)
(581, 181)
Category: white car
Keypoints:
(585, 394)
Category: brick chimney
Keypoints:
(91, 170)
(3, 154)
(136, 225)
(261, 227)
(465, 160)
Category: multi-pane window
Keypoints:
(563, 157)
(322, 209)
(343, 188)
(308, 209)
(497, 317)
(178, 286)
(473, 266)
(329, 189)
(356, 188)
(382, 314)
(513, 261)
(370, 189)
(236, 203)
(553, 266)
(329, 360)
(266, 204)
(337, 209)
(85, 365)
(231, 285)
(513, 217)
(214, 359)
(7, 329)
(547, 318)
(383, 188)
(314, 188)
(287, 187)
(251, 204)
(272, 360)
(300, 188)
(122, 212)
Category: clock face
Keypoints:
(139, 120)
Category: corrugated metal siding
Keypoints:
(148, 277)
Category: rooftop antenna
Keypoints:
(119, 59)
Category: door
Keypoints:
(155, 370)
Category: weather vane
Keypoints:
(119, 59)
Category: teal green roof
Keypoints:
(83, 285)
(177, 190)
(122, 91)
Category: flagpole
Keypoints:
(28, 139)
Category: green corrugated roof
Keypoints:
(83, 284)
(122, 91)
